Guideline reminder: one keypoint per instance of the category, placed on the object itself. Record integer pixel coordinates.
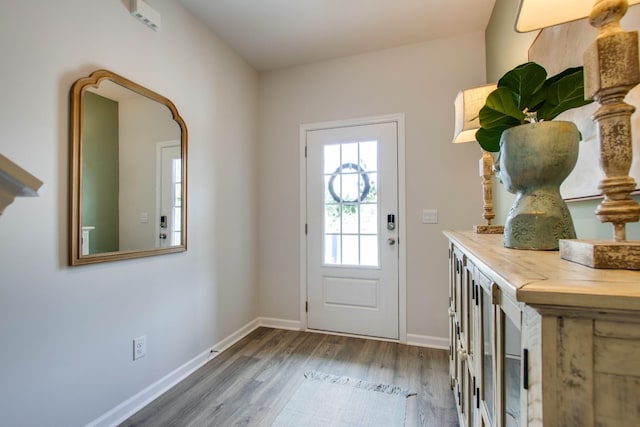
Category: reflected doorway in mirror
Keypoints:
(169, 196)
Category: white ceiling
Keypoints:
(273, 34)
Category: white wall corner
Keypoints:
(16, 182)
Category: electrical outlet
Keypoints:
(139, 347)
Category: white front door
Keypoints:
(352, 229)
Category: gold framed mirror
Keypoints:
(128, 183)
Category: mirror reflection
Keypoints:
(128, 171)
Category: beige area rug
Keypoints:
(325, 400)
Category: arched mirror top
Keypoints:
(128, 186)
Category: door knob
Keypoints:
(391, 241)
(163, 235)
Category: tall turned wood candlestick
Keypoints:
(611, 68)
(467, 107)
(486, 172)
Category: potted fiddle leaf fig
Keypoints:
(536, 153)
(523, 95)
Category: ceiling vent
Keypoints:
(145, 13)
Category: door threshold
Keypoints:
(343, 334)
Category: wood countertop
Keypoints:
(543, 278)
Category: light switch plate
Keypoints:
(429, 216)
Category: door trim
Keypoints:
(159, 147)
(398, 118)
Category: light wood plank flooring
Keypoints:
(250, 383)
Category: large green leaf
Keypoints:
(500, 107)
(524, 81)
(564, 92)
(565, 73)
(489, 139)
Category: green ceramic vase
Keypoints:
(534, 160)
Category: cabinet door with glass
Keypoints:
(485, 314)
(501, 366)
(453, 297)
(474, 344)
(486, 352)
(511, 398)
(458, 359)
(467, 344)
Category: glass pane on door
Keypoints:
(176, 178)
(350, 203)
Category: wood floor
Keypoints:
(250, 383)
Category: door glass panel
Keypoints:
(487, 352)
(351, 218)
(332, 218)
(177, 202)
(512, 363)
(471, 313)
(350, 249)
(170, 195)
(369, 155)
(334, 183)
(462, 375)
(372, 195)
(472, 402)
(350, 153)
(331, 159)
(368, 219)
(464, 277)
(332, 248)
(350, 184)
(369, 250)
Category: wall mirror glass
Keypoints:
(128, 186)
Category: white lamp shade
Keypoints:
(468, 104)
(537, 14)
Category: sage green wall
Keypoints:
(505, 49)
(100, 174)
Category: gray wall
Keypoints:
(420, 80)
(67, 333)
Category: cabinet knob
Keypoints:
(462, 354)
(451, 312)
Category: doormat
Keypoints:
(325, 400)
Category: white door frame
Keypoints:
(402, 228)
(156, 221)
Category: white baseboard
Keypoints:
(427, 341)
(236, 336)
(292, 325)
(138, 401)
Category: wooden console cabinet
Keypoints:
(539, 341)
